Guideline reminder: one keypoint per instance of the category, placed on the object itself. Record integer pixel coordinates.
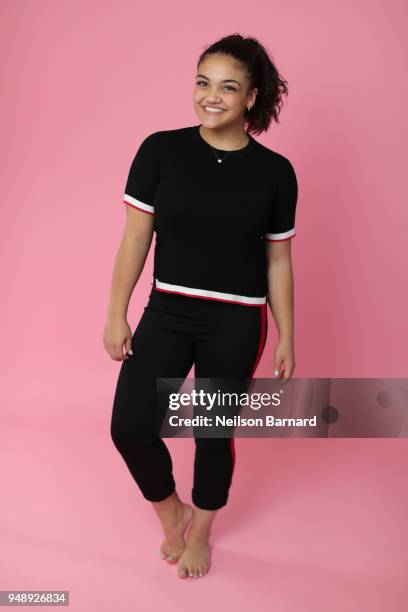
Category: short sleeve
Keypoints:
(144, 175)
(281, 224)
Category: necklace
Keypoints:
(217, 155)
(219, 159)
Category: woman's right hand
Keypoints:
(117, 339)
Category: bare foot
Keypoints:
(195, 560)
(174, 544)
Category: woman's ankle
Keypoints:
(169, 508)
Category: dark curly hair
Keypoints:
(262, 74)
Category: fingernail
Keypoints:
(130, 352)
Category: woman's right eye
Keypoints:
(226, 86)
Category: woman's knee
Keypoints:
(130, 439)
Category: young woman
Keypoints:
(223, 209)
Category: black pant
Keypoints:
(221, 339)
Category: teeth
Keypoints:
(214, 110)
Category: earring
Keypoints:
(249, 108)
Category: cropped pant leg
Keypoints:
(230, 345)
(160, 349)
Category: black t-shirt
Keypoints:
(212, 219)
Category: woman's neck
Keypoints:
(226, 140)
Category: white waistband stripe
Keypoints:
(138, 204)
(215, 295)
(281, 236)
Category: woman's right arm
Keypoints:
(128, 266)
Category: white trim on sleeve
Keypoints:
(128, 199)
(281, 236)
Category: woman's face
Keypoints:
(222, 83)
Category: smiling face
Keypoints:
(222, 83)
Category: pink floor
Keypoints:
(312, 524)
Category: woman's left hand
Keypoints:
(284, 359)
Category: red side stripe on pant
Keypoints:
(261, 346)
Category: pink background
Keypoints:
(311, 524)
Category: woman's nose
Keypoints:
(213, 99)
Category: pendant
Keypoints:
(219, 160)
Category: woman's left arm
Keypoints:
(281, 302)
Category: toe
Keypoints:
(163, 550)
(182, 572)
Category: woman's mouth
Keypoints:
(212, 110)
